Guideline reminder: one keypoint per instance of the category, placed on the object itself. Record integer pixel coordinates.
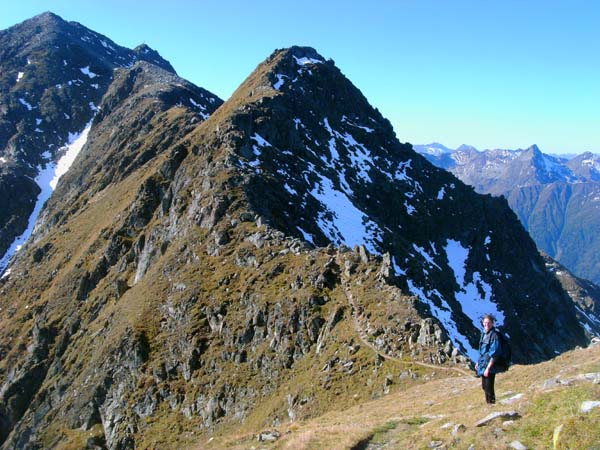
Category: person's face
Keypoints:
(487, 324)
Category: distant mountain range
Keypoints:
(201, 264)
(557, 199)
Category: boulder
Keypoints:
(588, 405)
(496, 415)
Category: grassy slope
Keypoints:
(412, 418)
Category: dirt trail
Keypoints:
(365, 339)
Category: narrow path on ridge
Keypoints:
(365, 339)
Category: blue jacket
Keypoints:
(489, 347)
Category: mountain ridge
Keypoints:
(555, 198)
(53, 75)
(189, 275)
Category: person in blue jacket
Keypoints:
(489, 351)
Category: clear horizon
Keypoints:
(506, 75)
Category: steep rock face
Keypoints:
(145, 111)
(53, 75)
(187, 275)
(585, 166)
(555, 198)
(584, 293)
(323, 165)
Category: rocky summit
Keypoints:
(53, 75)
(203, 266)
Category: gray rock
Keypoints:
(588, 405)
(511, 399)
(247, 217)
(495, 415)
(458, 428)
(594, 377)
(517, 445)
(268, 436)
(551, 384)
(364, 255)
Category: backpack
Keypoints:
(504, 360)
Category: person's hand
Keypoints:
(486, 373)
(476, 365)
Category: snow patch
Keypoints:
(475, 297)
(397, 269)
(426, 256)
(74, 146)
(362, 127)
(47, 178)
(106, 45)
(341, 221)
(290, 189)
(19, 76)
(401, 174)
(260, 140)
(443, 313)
(590, 317)
(86, 71)
(307, 237)
(305, 60)
(24, 103)
(280, 81)
(202, 108)
(487, 242)
(197, 105)
(256, 149)
(359, 155)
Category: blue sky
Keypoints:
(491, 74)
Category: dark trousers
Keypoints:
(487, 383)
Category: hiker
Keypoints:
(489, 351)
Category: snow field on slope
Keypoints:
(47, 180)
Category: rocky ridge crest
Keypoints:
(53, 75)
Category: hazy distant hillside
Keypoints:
(557, 199)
